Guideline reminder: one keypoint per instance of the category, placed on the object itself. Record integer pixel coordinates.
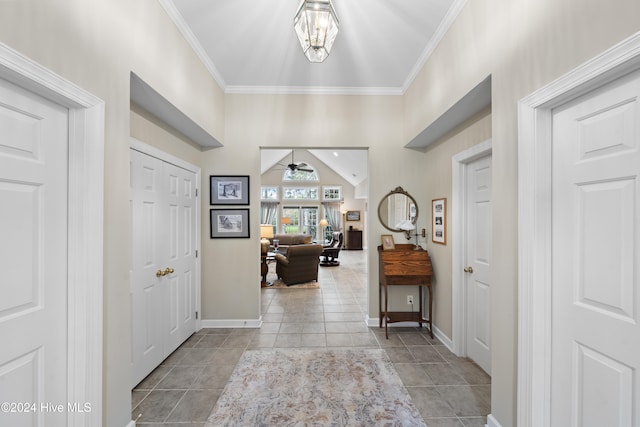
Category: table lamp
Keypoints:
(266, 232)
(285, 221)
(323, 223)
(407, 226)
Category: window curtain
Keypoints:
(268, 212)
(333, 215)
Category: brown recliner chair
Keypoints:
(330, 252)
(299, 264)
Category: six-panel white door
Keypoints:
(595, 350)
(478, 270)
(33, 258)
(163, 217)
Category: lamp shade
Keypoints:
(323, 222)
(405, 225)
(266, 231)
(316, 26)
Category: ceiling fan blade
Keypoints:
(305, 170)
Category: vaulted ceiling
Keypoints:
(250, 46)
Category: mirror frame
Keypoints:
(397, 190)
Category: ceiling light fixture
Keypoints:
(316, 26)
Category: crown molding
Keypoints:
(179, 21)
(313, 90)
(438, 35)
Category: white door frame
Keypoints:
(458, 245)
(85, 228)
(534, 227)
(142, 147)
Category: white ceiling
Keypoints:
(250, 46)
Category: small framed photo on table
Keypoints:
(387, 242)
(229, 189)
(229, 223)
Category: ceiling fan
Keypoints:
(293, 166)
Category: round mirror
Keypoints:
(395, 207)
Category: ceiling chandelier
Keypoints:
(316, 26)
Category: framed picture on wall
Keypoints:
(229, 223)
(353, 215)
(439, 226)
(229, 189)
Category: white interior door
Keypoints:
(180, 206)
(33, 257)
(595, 347)
(164, 235)
(478, 268)
(148, 308)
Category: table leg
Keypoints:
(386, 310)
(430, 318)
(380, 303)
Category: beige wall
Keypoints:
(96, 44)
(521, 44)
(438, 175)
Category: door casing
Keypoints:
(85, 226)
(535, 225)
(458, 248)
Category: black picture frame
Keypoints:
(229, 223)
(229, 189)
(353, 215)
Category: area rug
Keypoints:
(277, 283)
(300, 387)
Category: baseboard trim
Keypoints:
(231, 323)
(492, 422)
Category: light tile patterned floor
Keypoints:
(447, 390)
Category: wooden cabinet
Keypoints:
(404, 266)
(354, 239)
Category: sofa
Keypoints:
(299, 264)
(287, 240)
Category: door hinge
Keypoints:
(196, 192)
(196, 253)
(196, 315)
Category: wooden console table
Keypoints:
(404, 266)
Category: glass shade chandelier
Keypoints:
(316, 26)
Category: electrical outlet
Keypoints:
(410, 299)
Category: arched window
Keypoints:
(298, 175)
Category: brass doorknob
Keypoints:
(468, 269)
(164, 272)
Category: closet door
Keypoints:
(163, 275)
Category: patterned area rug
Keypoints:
(277, 283)
(272, 278)
(299, 387)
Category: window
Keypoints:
(269, 193)
(333, 192)
(300, 193)
(298, 175)
(302, 219)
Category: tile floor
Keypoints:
(447, 390)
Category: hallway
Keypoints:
(447, 390)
